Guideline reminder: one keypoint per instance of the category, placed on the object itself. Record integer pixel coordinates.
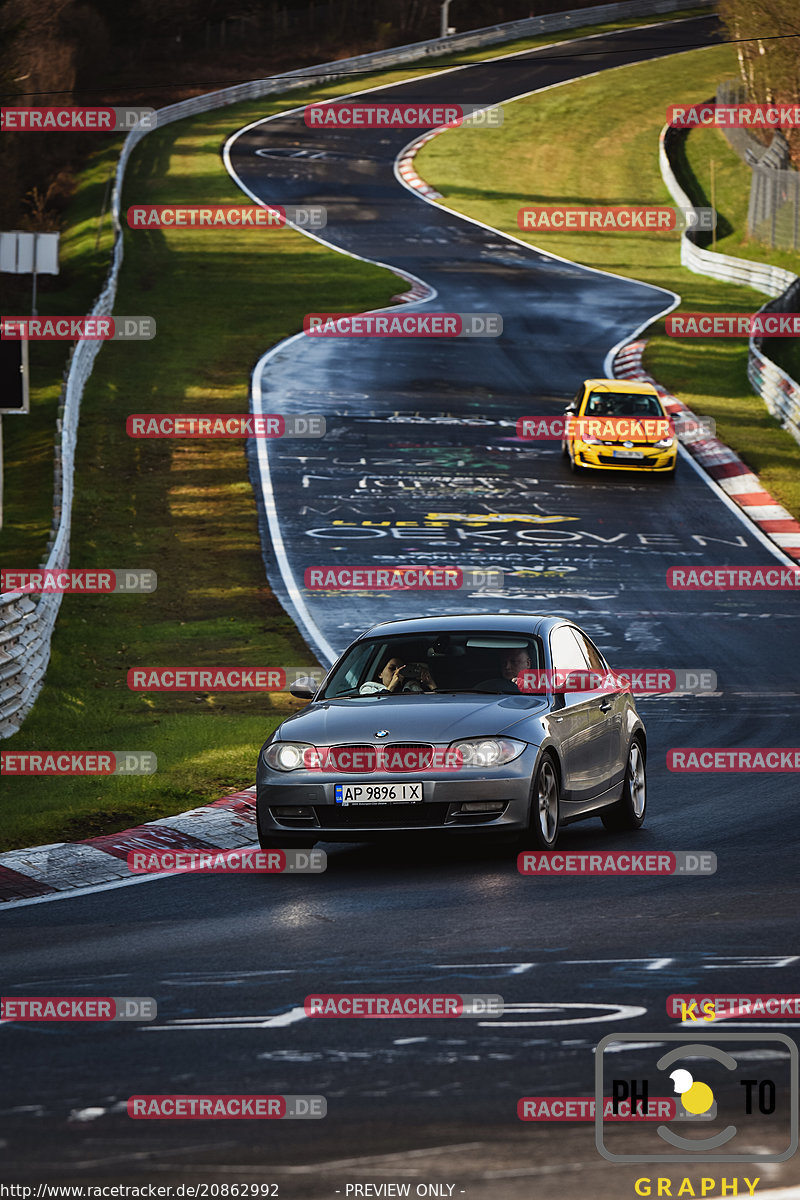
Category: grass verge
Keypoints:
(185, 509)
(595, 142)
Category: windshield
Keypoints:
(622, 404)
(461, 661)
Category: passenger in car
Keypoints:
(394, 680)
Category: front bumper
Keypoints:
(439, 810)
(602, 458)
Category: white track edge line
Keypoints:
(290, 583)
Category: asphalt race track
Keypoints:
(423, 433)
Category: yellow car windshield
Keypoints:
(622, 404)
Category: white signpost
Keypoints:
(21, 253)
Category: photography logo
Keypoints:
(736, 1096)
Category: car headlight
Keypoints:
(487, 752)
(591, 441)
(288, 756)
(664, 444)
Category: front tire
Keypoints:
(628, 812)
(545, 813)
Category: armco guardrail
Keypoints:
(26, 623)
(779, 391)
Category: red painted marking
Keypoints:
(146, 837)
(729, 469)
(779, 525)
(242, 804)
(745, 498)
(16, 886)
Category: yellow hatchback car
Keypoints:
(616, 425)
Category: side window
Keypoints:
(535, 654)
(565, 651)
(590, 650)
(349, 672)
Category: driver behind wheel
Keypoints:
(399, 676)
(511, 664)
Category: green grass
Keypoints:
(184, 509)
(595, 142)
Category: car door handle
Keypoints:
(605, 705)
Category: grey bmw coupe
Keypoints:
(430, 724)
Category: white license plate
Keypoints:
(377, 793)
(628, 454)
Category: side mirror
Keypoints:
(302, 691)
(571, 407)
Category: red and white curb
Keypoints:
(226, 824)
(417, 291)
(719, 461)
(405, 167)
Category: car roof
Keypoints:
(529, 623)
(621, 385)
